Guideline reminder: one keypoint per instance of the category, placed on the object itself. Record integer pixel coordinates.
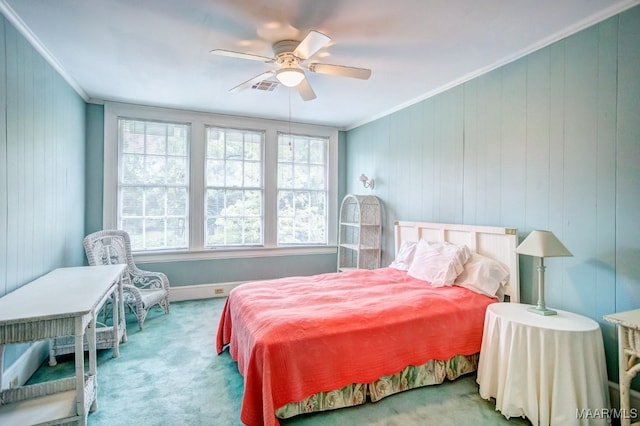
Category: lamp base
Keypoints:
(542, 311)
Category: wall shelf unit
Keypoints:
(359, 232)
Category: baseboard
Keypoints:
(201, 291)
(23, 368)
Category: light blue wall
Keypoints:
(42, 148)
(551, 141)
(94, 174)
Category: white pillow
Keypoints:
(405, 256)
(438, 263)
(484, 275)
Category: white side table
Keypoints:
(628, 353)
(63, 302)
(550, 369)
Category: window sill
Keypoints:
(227, 253)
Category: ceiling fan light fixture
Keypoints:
(290, 58)
(290, 77)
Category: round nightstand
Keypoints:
(550, 369)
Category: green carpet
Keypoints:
(170, 374)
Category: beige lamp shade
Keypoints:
(542, 244)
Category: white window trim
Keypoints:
(198, 121)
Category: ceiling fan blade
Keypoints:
(313, 42)
(340, 70)
(252, 81)
(305, 90)
(240, 55)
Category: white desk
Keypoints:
(628, 358)
(549, 369)
(63, 302)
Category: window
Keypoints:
(153, 184)
(302, 189)
(189, 185)
(234, 187)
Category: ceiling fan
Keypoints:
(291, 57)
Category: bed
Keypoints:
(306, 344)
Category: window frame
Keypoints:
(146, 185)
(293, 163)
(260, 188)
(198, 122)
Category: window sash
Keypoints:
(153, 183)
(302, 189)
(234, 212)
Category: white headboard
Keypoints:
(491, 241)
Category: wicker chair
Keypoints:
(142, 289)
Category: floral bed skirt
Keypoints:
(431, 373)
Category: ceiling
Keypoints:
(156, 52)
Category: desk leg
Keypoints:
(93, 364)
(121, 307)
(117, 298)
(79, 359)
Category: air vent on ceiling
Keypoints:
(265, 85)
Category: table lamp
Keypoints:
(542, 244)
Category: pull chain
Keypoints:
(290, 144)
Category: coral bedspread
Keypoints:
(294, 337)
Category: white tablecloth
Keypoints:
(549, 369)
